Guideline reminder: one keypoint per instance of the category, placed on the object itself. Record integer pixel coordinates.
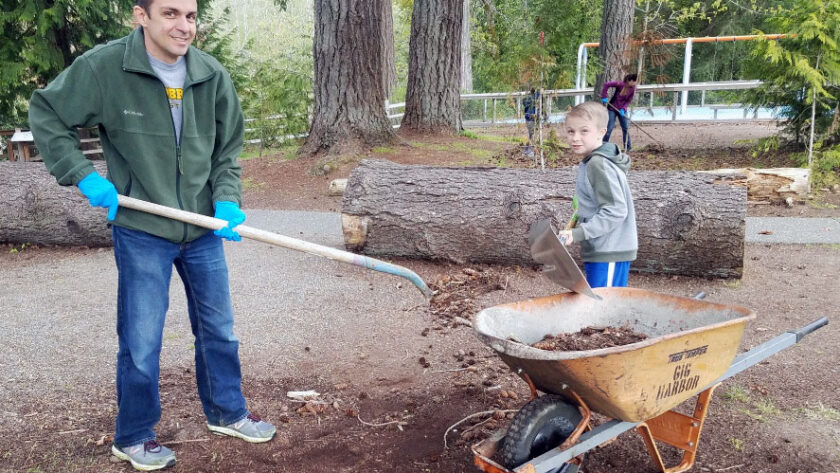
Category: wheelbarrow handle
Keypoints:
(821, 322)
(278, 240)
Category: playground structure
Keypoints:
(582, 57)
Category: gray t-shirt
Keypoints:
(173, 77)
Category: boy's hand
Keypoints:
(621, 112)
(566, 237)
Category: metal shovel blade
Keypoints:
(558, 265)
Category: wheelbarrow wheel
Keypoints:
(542, 424)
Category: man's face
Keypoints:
(169, 27)
(583, 135)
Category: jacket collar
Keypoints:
(136, 60)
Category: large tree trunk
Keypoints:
(466, 51)
(616, 28)
(349, 110)
(687, 223)
(433, 100)
(37, 210)
(389, 67)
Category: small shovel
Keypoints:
(550, 251)
(277, 239)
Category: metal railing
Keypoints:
(645, 93)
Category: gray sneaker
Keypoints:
(250, 429)
(145, 456)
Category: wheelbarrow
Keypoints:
(690, 349)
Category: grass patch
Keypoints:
(19, 248)
(766, 408)
(383, 150)
(820, 205)
(819, 412)
(502, 139)
(737, 394)
(469, 134)
(737, 444)
(732, 283)
(484, 154)
(249, 183)
(286, 151)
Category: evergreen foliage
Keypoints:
(507, 54)
(39, 38)
(799, 72)
(800, 68)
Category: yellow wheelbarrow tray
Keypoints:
(690, 348)
(690, 343)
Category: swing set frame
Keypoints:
(582, 57)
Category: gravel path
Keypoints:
(57, 328)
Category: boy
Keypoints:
(171, 129)
(606, 227)
(529, 105)
(617, 106)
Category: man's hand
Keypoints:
(231, 212)
(100, 193)
(566, 237)
(604, 100)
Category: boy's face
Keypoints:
(583, 135)
(169, 27)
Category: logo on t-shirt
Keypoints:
(175, 96)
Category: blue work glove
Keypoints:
(231, 212)
(604, 100)
(621, 112)
(100, 193)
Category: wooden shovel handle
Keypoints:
(277, 240)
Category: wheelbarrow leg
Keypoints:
(678, 430)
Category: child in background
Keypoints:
(606, 226)
(617, 106)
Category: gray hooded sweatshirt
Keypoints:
(606, 226)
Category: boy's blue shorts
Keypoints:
(607, 274)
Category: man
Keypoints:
(529, 106)
(171, 129)
(617, 106)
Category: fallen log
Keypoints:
(687, 223)
(37, 210)
(772, 185)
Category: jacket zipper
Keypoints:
(179, 170)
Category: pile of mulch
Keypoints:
(590, 338)
(455, 293)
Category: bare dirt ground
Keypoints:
(780, 416)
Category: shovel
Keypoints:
(550, 251)
(277, 239)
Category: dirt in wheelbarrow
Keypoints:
(590, 338)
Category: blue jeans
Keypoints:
(622, 120)
(144, 263)
(607, 274)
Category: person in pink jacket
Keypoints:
(617, 106)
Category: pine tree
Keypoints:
(802, 68)
(39, 38)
